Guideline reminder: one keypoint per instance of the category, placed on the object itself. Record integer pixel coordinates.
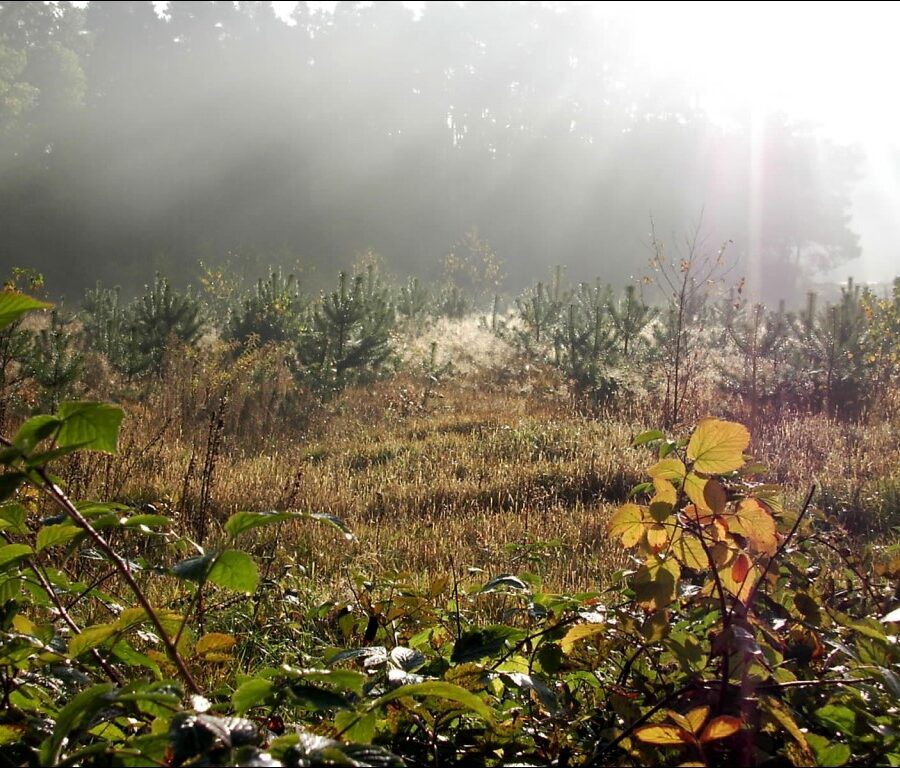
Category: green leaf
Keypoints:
(11, 734)
(147, 521)
(9, 483)
(90, 426)
(648, 437)
(90, 637)
(194, 569)
(490, 641)
(234, 570)
(355, 727)
(837, 717)
(79, 710)
(244, 521)
(505, 580)
(441, 690)
(54, 535)
(13, 517)
(250, 694)
(829, 755)
(336, 522)
(127, 654)
(34, 430)
(11, 554)
(316, 699)
(14, 304)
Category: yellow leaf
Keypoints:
(23, 624)
(694, 487)
(627, 523)
(663, 735)
(215, 642)
(688, 550)
(740, 588)
(680, 720)
(720, 728)
(656, 583)
(715, 496)
(665, 491)
(696, 717)
(663, 502)
(721, 553)
(756, 525)
(779, 712)
(718, 446)
(657, 536)
(577, 633)
(218, 656)
(667, 469)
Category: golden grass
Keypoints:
(496, 470)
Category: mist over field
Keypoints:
(140, 136)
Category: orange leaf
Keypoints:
(720, 728)
(740, 568)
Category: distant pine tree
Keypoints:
(348, 338)
(273, 313)
(54, 362)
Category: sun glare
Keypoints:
(829, 63)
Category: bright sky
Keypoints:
(830, 63)
(833, 64)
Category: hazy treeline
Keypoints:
(132, 141)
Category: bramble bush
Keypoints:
(745, 633)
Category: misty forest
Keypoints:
(437, 383)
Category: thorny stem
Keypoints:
(597, 760)
(70, 622)
(65, 504)
(781, 547)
